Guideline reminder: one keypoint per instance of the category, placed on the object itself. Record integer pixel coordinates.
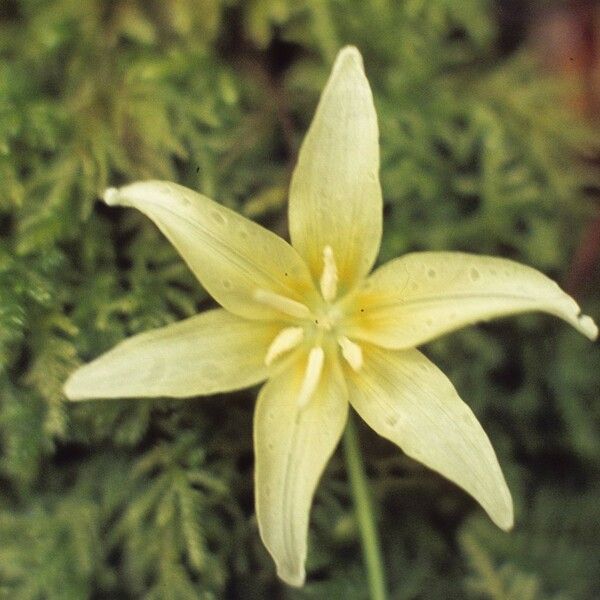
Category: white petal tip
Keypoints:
(587, 326)
(111, 196)
(507, 522)
(294, 577)
(348, 58)
(84, 384)
(72, 391)
(504, 516)
(350, 53)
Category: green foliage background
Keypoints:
(153, 499)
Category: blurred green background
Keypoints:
(489, 142)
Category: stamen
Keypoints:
(329, 278)
(287, 339)
(314, 368)
(352, 352)
(283, 304)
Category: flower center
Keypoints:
(314, 327)
(327, 318)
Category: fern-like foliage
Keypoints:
(170, 521)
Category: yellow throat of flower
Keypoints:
(315, 328)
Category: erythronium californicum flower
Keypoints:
(309, 319)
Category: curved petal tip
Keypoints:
(292, 576)
(586, 325)
(75, 389)
(350, 53)
(111, 196)
(507, 520)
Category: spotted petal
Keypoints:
(335, 196)
(209, 353)
(409, 401)
(232, 256)
(420, 296)
(292, 446)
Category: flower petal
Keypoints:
(421, 296)
(335, 196)
(232, 256)
(292, 446)
(209, 353)
(408, 400)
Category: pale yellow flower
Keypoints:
(309, 319)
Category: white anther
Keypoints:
(352, 352)
(287, 339)
(283, 304)
(329, 278)
(314, 368)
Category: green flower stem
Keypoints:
(364, 513)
